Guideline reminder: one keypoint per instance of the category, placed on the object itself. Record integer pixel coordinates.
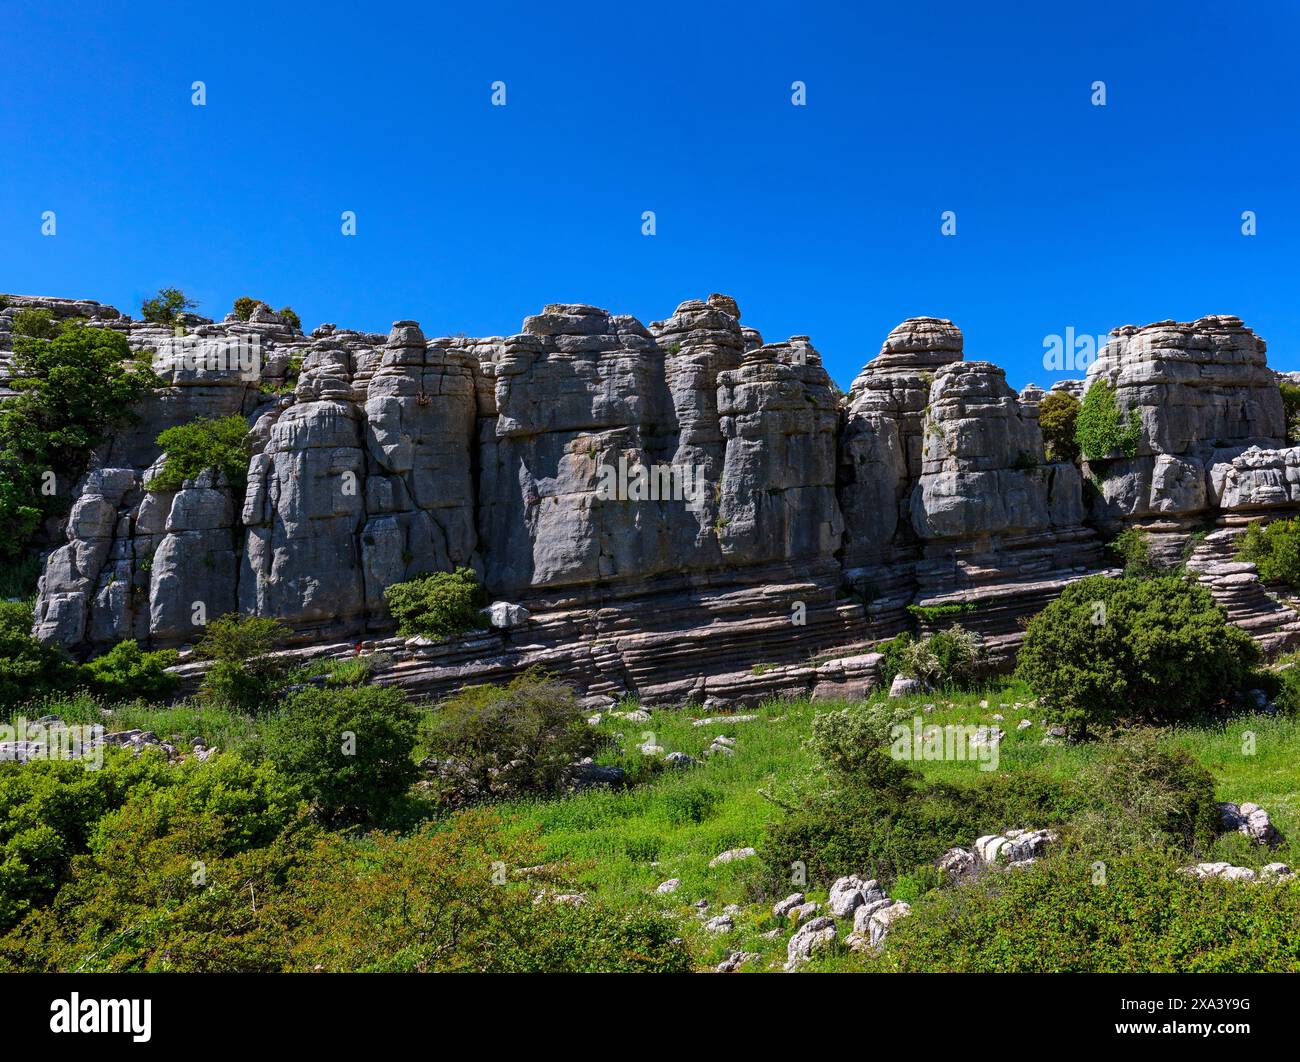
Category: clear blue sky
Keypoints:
(821, 220)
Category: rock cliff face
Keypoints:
(687, 512)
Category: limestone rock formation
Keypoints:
(680, 512)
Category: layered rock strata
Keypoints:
(687, 513)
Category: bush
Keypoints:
(1138, 650)
(1274, 550)
(442, 605)
(48, 811)
(873, 815)
(243, 673)
(126, 673)
(350, 751)
(28, 669)
(1057, 416)
(290, 317)
(893, 656)
(166, 307)
(1059, 916)
(245, 305)
(1133, 550)
(449, 898)
(36, 324)
(73, 391)
(1141, 794)
(509, 739)
(179, 877)
(854, 741)
(1100, 430)
(948, 658)
(1291, 410)
(202, 444)
(858, 829)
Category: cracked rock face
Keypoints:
(982, 466)
(648, 506)
(1204, 394)
(881, 446)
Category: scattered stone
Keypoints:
(1251, 820)
(848, 893)
(735, 960)
(585, 774)
(783, 907)
(720, 719)
(723, 923)
(680, 760)
(883, 920)
(732, 855)
(504, 615)
(810, 938)
(905, 687)
(664, 888)
(957, 863)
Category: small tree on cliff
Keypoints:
(1057, 413)
(73, 391)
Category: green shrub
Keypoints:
(292, 318)
(350, 750)
(1058, 413)
(893, 656)
(36, 324)
(48, 812)
(19, 578)
(521, 737)
(1100, 429)
(1274, 550)
(126, 673)
(449, 898)
(1138, 650)
(1063, 915)
(73, 391)
(1143, 795)
(218, 443)
(1291, 410)
(179, 877)
(243, 674)
(28, 669)
(445, 604)
(1133, 550)
(1286, 683)
(868, 813)
(853, 742)
(948, 658)
(245, 305)
(166, 307)
(857, 829)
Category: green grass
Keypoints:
(620, 844)
(218, 726)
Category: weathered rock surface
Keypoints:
(656, 511)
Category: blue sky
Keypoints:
(821, 220)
